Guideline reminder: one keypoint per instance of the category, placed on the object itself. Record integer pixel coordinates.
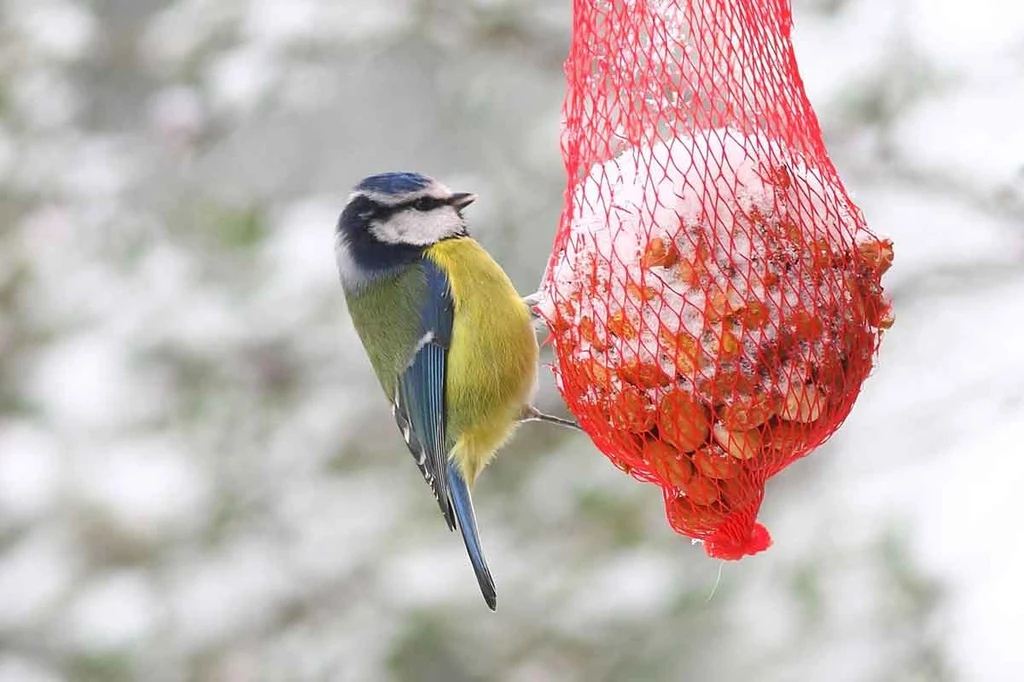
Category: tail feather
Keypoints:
(463, 504)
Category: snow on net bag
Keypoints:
(713, 295)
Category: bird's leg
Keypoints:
(532, 414)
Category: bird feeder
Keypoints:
(714, 296)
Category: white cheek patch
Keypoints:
(418, 228)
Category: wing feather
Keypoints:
(419, 402)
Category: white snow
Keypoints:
(178, 113)
(60, 29)
(295, 252)
(227, 593)
(30, 471)
(87, 382)
(146, 488)
(958, 134)
(36, 573)
(632, 586)
(44, 97)
(838, 52)
(928, 229)
(239, 80)
(423, 577)
(696, 194)
(115, 611)
(280, 22)
(14, 668)
(964, 39)
(8, 152)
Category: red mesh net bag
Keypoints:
(714, 297)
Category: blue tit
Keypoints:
(449, 339)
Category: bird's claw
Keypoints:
(532, 301)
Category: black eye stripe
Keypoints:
(423, 204)
(379, 211)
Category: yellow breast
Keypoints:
(492, 361)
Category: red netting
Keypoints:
(713, 295)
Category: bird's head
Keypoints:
(391, 218)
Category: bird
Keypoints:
(450, 340)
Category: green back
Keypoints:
(386, 315)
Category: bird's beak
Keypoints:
(461, 200)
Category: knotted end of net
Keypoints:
(733, 543)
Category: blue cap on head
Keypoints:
(394, 183)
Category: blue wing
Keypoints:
(419, 403)
(420, 413)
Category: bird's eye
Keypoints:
(423, 204)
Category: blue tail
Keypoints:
(463, 504)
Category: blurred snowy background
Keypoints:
(199, 482)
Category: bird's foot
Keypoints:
(532, 301)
